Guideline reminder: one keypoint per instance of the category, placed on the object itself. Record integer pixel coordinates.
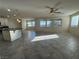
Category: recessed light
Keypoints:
(8, 10)
(14, 15)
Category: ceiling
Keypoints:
(36, 8)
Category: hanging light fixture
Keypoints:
(18, 20)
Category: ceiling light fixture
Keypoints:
(18, 20)
(8, 10)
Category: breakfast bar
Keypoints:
(11, 34)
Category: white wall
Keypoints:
(23, 23)
(65, 22)
(4, 21)
(12, 23)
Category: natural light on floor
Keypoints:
(45, 37)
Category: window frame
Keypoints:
(32, 25)
(45, 25)
(71, 22)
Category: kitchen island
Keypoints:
(11, 34)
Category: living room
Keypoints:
(39, 29)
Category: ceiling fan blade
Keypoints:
(59, 12)
(57, 4)
(47, 7)
(56, 9)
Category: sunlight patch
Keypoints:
(45, 37)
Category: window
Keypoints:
(46, 23)
(33, 23)
(74, 21)
(49, 23)
(30, 23)
(58, 23)
(42, 23)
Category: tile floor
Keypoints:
(64, 47)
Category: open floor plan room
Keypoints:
(39, 29)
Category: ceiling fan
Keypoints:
(54, 10)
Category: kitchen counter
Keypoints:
(11, 34)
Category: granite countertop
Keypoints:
(11, 29)
(4, 28)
